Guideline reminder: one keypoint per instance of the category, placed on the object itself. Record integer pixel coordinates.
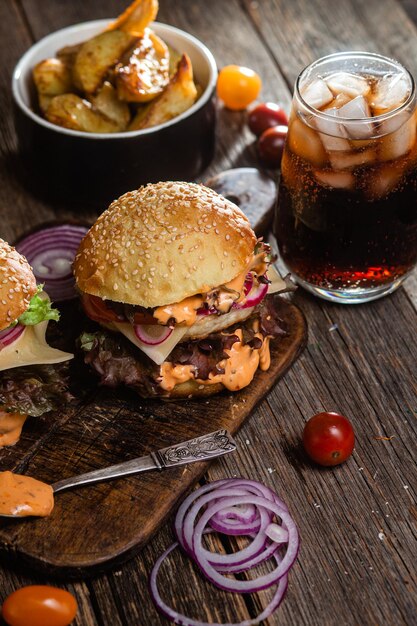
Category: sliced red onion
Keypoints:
(51, 252)
(276, 533)
(152, 334)
(9, 335)
(179, 618)
(254, 297)
(235, 505)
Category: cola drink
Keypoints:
(346, 219)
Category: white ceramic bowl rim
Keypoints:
(101, 24)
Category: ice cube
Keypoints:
(332, 133)
(317, 94)
(398, 143)
(348, 84)
(392, 124)
(357, 109)
(340, 100)
(350, 160)
(385, 180)
(337, 180)
(305, 142)
(390, 92)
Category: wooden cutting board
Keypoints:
(95, 527)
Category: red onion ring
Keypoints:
(152, 334)
(9, 335)
(179, 618)
(237, 505)
(51, 252)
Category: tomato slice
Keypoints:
(97, 310)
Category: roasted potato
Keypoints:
(146, 71)
(107, 103)
(52, 78)
(96, 56)
(71, 111)
(136, 17)
(180, 94)
(174, 59)
(127, 70)
(67, 54)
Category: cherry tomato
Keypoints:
(266, 115)
(238, 86)
(328, 438)
(271, 145)
(39, 605)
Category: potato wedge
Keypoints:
(174, 59)
(136, 17)
(180, 94)
(107, 103)
(96, 56)
(146, 72)
(52, 78)
(67, 54)
(71, 111)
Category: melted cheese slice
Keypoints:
(277, 282)
(159, 353)
(31, 349)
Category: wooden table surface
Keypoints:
(357, 522)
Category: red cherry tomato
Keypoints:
(39, 605)
(328, 438)
(271, 145)
(266, 115)
(238, 86)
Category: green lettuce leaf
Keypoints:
(39, 309)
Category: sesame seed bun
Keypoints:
(17, 284)
(162, 243)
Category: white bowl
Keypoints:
(96, 167)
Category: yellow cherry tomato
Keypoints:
(39, 605)
(238, 86)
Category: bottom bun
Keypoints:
(191, 389)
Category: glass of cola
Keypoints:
(346, 218)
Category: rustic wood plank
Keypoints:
(376, 26)
(342, 512)
(343, 369)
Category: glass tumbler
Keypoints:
(346, 218)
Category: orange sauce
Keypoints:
(22, 496)
(239, 367)
(175, 374)
(11, 425)
(184, 312)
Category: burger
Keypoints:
(180, 288)
(31, 382)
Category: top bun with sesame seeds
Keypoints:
(17, 284)
(162, 243)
